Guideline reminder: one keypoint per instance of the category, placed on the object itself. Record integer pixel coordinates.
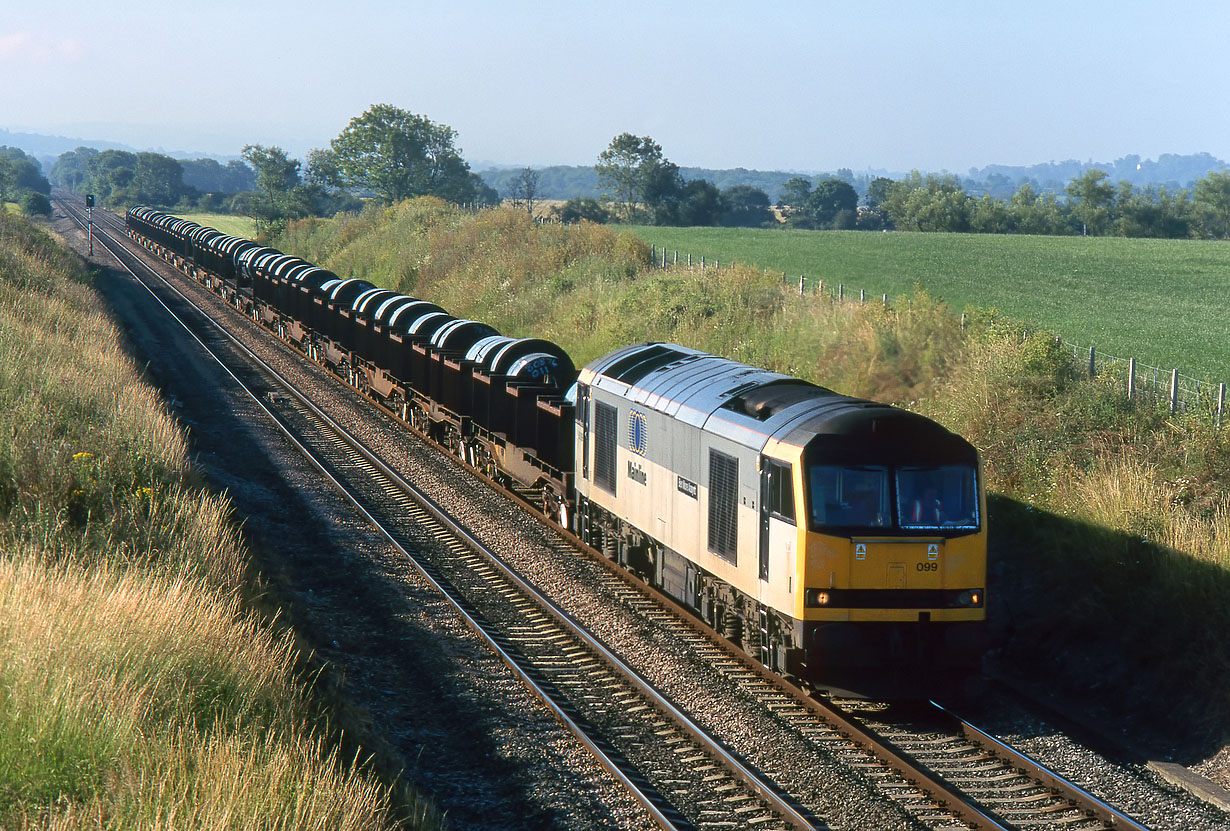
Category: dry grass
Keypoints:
(1130, 495)
(135, 691)
(150, 702)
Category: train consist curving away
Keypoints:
(841, 541)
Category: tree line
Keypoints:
(640, 185)
(1090, 204)
(386, 154)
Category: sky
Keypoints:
(806, 86)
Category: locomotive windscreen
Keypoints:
(908, 499)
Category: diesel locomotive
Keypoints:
(840, 541)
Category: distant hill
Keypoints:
(47, 148)
(1168, 170)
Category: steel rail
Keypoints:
(1109, 815)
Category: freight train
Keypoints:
(840, 541)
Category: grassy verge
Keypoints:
(135, 689)
(1109, 536)
(1141, 298)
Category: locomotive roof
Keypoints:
(743, 403)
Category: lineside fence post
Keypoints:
(1131, 378)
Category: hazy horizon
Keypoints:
(802, 86)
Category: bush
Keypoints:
(582, 208)
(35, 203)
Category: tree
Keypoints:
(33, 202)
(72, 169)
(628, 167)
(110, 177)
(746, 207)
(830, 198)
(27, 172)
(484, 194)
(276, 171)
(158, 179)
(322, 168)
(277, 178)
(208, 176)
(1212, 198)
(398, 155)
(663, 192)
(991, 216)
(928, 203)
(795, 192)
(877, 191)
(1094, 196)
(7, 189)
(1152, 212)
(1034, 213)
(524, 189)
(700, 203)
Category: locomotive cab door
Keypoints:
(766, 488)
(778, 531)
(583, 415)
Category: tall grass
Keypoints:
(1109, 536)
(589, 288)
(135, 689)
(147, 701)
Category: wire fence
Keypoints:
(1149, 384)
(1152, 384)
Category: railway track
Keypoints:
(683, 777)
(941, 780)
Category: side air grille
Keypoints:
(605, 437)
(723, 504)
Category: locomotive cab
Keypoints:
(894, 578)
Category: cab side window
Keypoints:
(780, 498)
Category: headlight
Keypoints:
(970, 598)
(816, 597)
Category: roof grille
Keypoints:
(636, 366)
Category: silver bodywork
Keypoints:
(670, 421)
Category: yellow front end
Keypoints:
(893, 578)
(891, 611)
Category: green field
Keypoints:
(238, 226)
(1159, 301)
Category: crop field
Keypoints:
(1160, 301)
(239, 226)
